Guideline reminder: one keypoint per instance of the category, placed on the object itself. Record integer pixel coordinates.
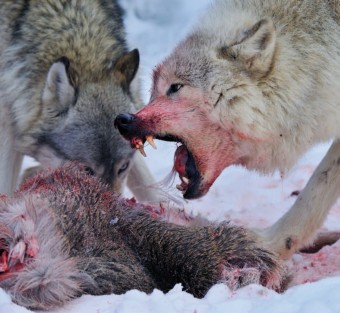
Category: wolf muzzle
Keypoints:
(125, 123)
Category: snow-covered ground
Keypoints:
(154, 26)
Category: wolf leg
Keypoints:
(10, 160)
(296, 229)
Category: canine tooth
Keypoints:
(185, 179)
(141, 150)
(179, 187)
(149, 139)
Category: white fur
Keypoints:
(57, 84)
(302, 111)
(271, 91)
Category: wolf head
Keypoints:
(210, 95)
(245, 88)
(77, 120)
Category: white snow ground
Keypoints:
(154, 26)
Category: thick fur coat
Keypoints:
(65, 73)
(64, 234)
(256, 83)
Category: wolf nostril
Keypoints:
(124, 120)
(125, 123)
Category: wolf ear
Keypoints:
(126, 68)
(256, 48)
(57, 86)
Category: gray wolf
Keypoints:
(65, 73)
(64, 233)
(256, 83)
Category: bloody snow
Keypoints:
(245, 198)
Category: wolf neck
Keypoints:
(305, 98)
(304, 105)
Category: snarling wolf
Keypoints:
(64, 234)
(256, 83)
(65, 73)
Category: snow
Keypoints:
(246, 198)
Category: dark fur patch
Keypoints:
(115, 12)
(234, 100)
(16, 34)
(227, 53)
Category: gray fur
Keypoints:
(65, 73)
(79, 237)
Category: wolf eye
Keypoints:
(174, 88)
(123, 168)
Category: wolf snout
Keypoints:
(133, 129)
(125, 119)
(125, 123)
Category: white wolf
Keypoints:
(256, 83)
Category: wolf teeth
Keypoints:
(138, 144)
(185, 179)
(184, 185)
(179, 187)
(141, 150)
(149, 139)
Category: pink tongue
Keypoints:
(181, 158)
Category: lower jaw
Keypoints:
(194, 190)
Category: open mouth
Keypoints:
(138, 131)
(184, 162)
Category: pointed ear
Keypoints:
(256, 48)
(126, 68)
(58, 88)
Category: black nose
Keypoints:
(124, 123)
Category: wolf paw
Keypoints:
(18, 243)
(22, 249)
(13, 259)
(35, 266)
